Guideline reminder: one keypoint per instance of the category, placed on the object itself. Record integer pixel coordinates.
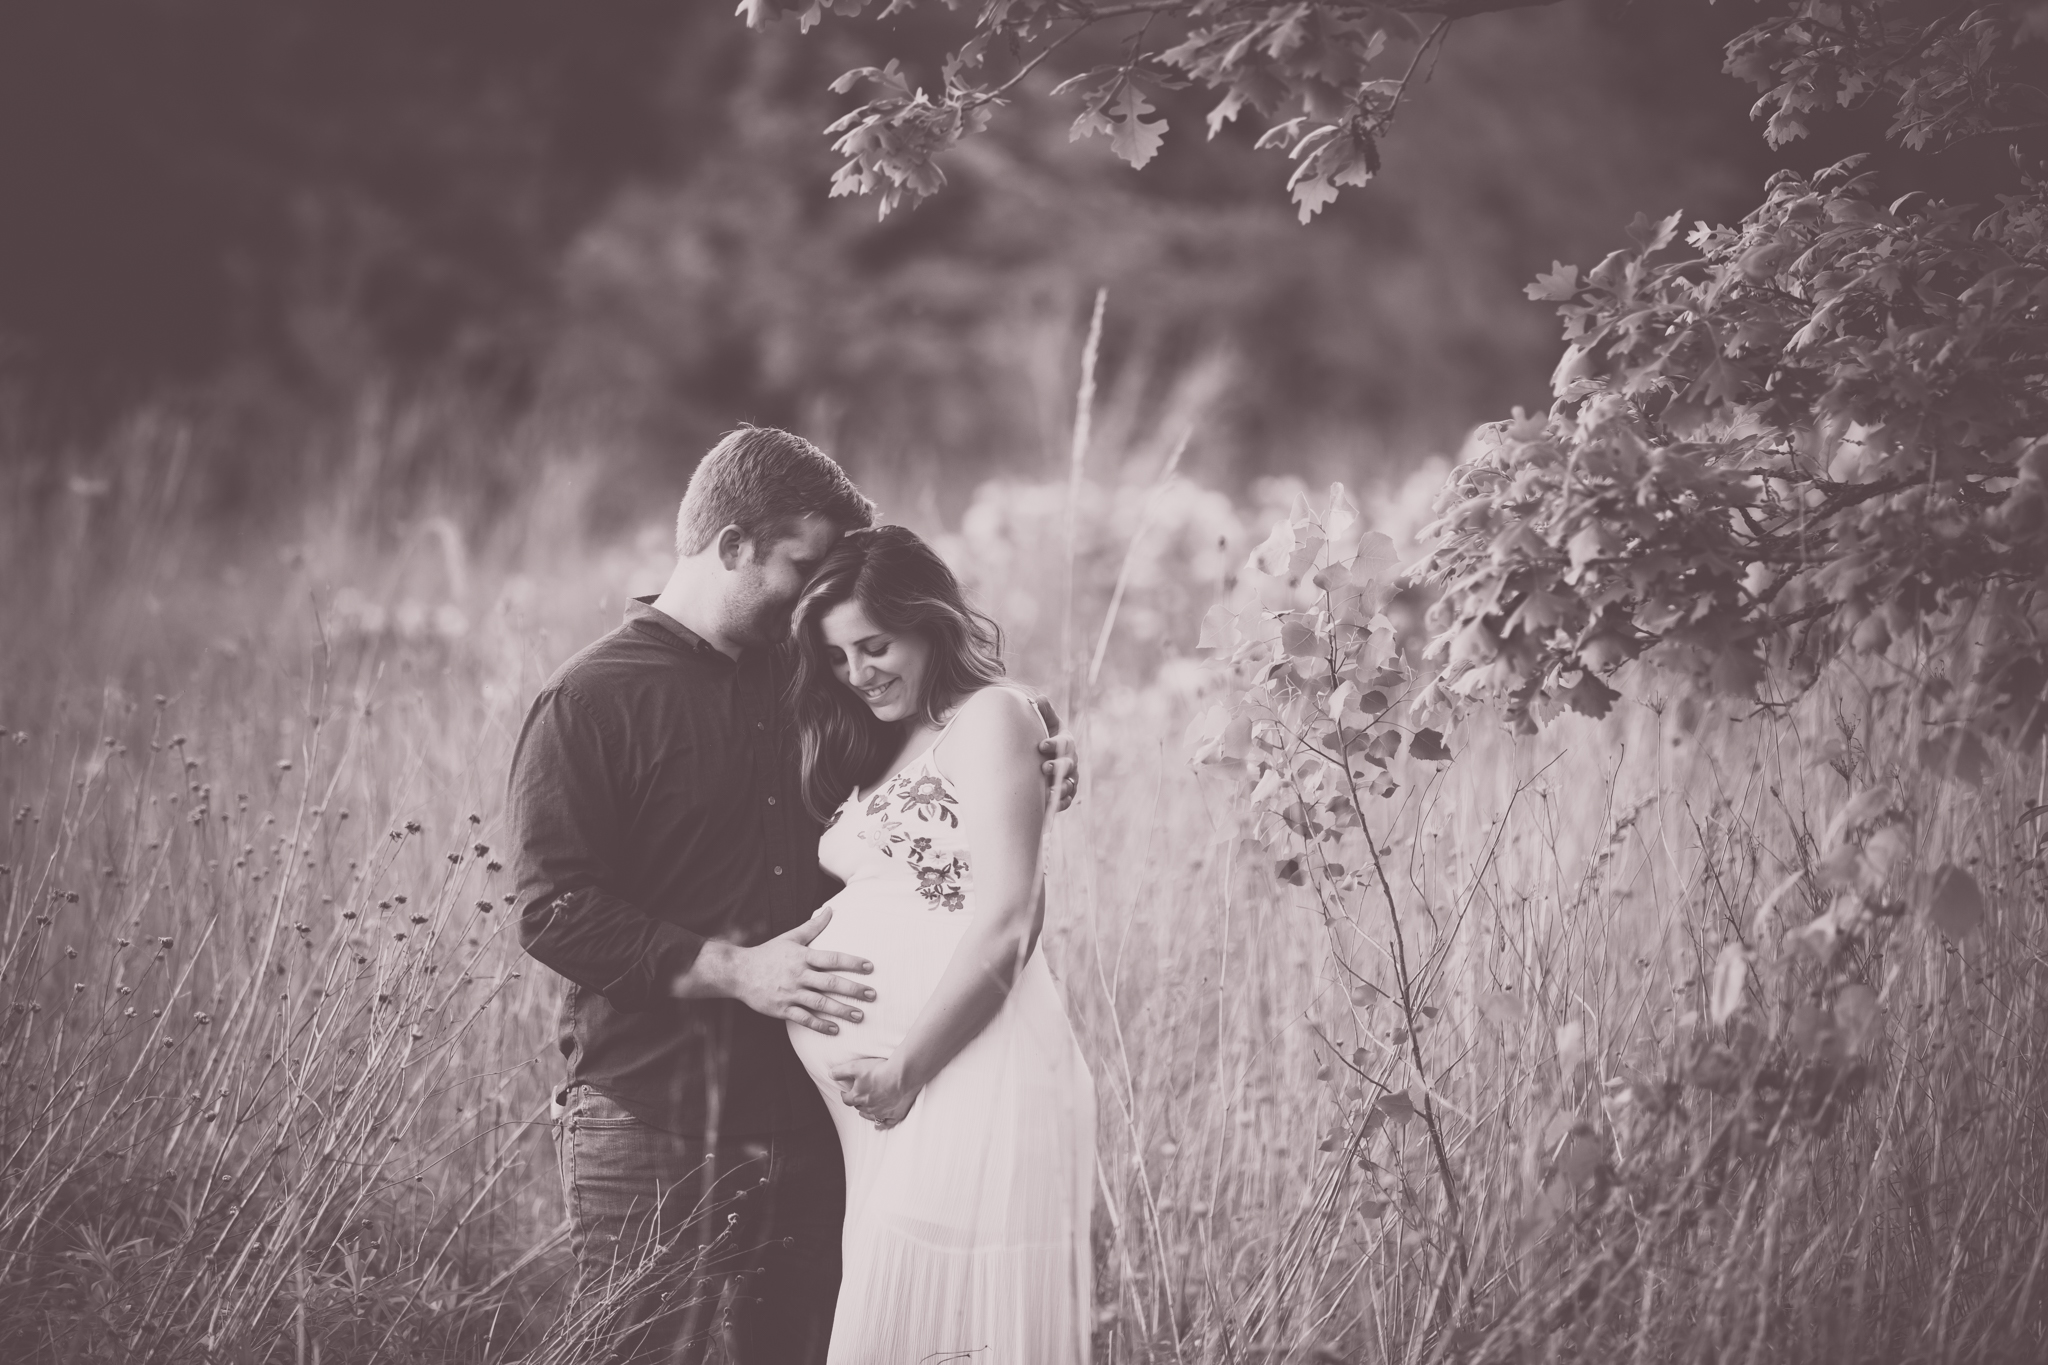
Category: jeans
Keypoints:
(689, 1252)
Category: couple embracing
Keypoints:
(779, 833)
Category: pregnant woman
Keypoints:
(964, 1108)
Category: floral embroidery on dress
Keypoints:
(941, 876)
(930, 798)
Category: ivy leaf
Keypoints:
(1956, 905)
(1275, 552)
(1589, 696)
(1311, 195)
(1396, 1105)
(1556, 285)
(1654, 236)
(1428, 745)
(1131, 137)
(1219, 629)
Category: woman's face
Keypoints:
(885, 668)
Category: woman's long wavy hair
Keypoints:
(905, 588)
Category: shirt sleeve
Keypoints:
(566, 795)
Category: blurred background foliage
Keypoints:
(612, 219)
(468, 231)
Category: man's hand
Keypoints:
(875, 1088)
(1062, 768)
(784, 978)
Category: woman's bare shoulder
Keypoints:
(997, 722)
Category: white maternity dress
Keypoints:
(967, 1223)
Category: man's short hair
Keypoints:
(764, 481)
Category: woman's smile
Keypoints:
(884, 668)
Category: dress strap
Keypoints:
(1021, 691)
(931, 753)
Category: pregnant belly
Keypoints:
(910, 945)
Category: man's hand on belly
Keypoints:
(784, 978)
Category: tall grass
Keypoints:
(273, 1073)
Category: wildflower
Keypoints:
(71, 952)
(481, 849)
(348, 914)
(284, 765)
(454, 858)
(492, 866)
(484, 907)
(78, 989)
(412, 827)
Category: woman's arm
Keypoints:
(992, 753)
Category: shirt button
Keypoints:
(771, 800)
(760, 725)
(778, 869)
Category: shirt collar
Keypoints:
(642, 609)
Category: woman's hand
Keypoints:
(876, 1088)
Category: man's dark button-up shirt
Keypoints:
(655, 804)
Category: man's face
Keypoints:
(767, 580)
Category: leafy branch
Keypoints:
(1322, 75)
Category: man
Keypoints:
(668, 870)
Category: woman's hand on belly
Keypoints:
(876, 1088)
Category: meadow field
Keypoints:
(274, 1072)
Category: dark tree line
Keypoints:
(284, 201)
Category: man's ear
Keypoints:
(734, 548)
